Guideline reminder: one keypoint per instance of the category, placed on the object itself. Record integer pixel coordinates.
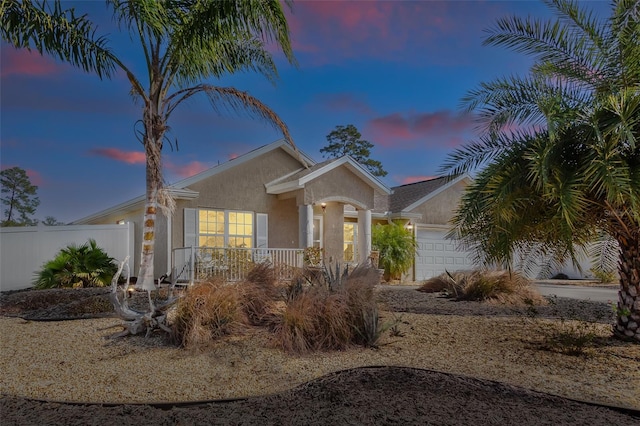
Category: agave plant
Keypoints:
(77, 266)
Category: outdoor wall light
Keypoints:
(324, 207)
(120, 222)
(409, 226)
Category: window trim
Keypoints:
(227, 235)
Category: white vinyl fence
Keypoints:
(24, 249)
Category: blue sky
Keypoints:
(395, 69)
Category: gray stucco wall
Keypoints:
(243, 188)
(441, 208)
(339, 184)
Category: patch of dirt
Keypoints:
(371, 396)
(395, 299)
(57, 304)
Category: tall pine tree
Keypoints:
(347, 140)
(19, 197)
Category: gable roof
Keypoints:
(281, 143)
(300, 178)
(407, 197)
(180, 189)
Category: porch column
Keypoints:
(364, 235)
(305, 220)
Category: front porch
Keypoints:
(199, 264)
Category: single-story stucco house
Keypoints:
(277, 198)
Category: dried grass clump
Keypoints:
(259, 292)
(484, 285)
(206, 312)
(500, 287)
(331, 315)
(315, 319)
(451, 284)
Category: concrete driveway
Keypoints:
(595, 294)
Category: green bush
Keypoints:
(77, 266)
(605, 276)
(397, 248)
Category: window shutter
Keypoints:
(262, 230)
(190, 227)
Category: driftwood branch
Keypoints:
(137, 322)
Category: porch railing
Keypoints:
(196, 264)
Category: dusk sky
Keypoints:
(395, 69)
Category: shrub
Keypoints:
(206, 311)
(605, 276)
(331, 314)
(448, 284)
(484, 285)
(496, 286)
(397, 248)
(77, 266)
(258, 294)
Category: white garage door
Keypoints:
(437, 254)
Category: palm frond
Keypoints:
(232, 100)
(223, 56)
(218, 37)
(604, 254)
(549, 42)
(58, 32)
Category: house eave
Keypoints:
(280, 188)
(136, 203)
(283, 187)
(404, 215)
(436, 192)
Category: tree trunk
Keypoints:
(627, 324)
(154, 132)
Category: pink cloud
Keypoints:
(186, 170)
(35, 177)
(334, 30)
(440, 127)
(129, 157)
(24, 62)
(233, 156)
(412, 179)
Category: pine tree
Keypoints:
(19, 197)
(347, 140)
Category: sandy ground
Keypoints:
(450, 363)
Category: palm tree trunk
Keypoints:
(154, 132)
(627, 324)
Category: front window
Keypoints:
(350, 241)
(220, 228)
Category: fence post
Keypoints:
(192, 270)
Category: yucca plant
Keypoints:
(77, 266)
(397, 248)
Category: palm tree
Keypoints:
(559, 155)
(184, 43)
